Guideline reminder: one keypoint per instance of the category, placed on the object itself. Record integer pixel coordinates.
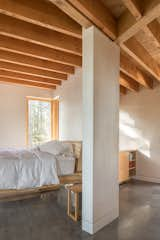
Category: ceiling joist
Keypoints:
(129, 68)
(26, 77)
(42, 14)
(72, 12)
(13, 27)
(97, 13)
(24, 60)
(123, 90)
(127, 24)
(32, 49)
(32, 71)
(140, 54)
(154, 28)
(42, 42)
(26, 83)
(128, 82)
(142, 17)
(134, 6)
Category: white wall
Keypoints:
(140, 129)
(70, 111)
(100, 130)
(13, 113)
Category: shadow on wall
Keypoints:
(132, 137)
(147, 169)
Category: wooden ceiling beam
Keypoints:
(26, 83)
(123, 90)
(97, 13)
(127, 24)
(154, 28)
(134, 6)
(70, 10)
(43, 14)
(22, 76)
(128, 67)
(135, 50)
(35, 62)
(128, 82)
(32, 49)
(32, 71)
(18, 29)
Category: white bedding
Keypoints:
(21, 169)
(29, 168)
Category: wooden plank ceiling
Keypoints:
(41, 43)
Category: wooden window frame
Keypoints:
(54, 116)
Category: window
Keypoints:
(42, 120)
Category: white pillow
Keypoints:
(56, 147)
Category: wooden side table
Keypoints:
(76, 189)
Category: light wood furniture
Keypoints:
(127, 165)
(76, 189)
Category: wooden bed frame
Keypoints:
(12, 194)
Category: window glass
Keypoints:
(39, 122)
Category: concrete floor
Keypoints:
(45, 219)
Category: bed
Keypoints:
(45, 175)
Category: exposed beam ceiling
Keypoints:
(26, 83)
(32, 71)
(154, 28)
(130, 22)
(41, 13)
(43, 41)
(32, 49)
(129, 68)
(134, 6)
(71, 11)
(140, 54)
(24, 60)
(123, 90)
(142, 17)
(97, 13)
(128, 82)
(127, 24)
(22, 76)
(13, 27)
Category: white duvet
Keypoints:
(21, 169)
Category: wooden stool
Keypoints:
(76, 189)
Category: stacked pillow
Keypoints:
(64, 155)
(57, 148)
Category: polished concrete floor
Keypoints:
(45, 218)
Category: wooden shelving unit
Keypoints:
(127, 165)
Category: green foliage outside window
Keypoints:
(39, 122)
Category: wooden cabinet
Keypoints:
(127, 165)
(123, 166)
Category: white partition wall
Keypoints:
(100, 130)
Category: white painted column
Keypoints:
(100, 130)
